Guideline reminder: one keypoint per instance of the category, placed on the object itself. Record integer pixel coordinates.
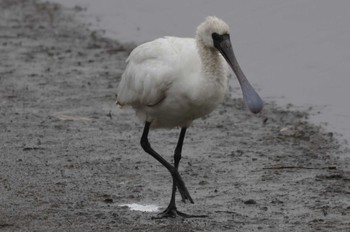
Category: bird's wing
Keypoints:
(152, 68)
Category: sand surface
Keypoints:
(69, 158)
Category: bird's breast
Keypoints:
(200, 97)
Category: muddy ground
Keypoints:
(69, 157)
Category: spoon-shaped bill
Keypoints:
(250, 96)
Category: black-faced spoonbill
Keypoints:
(172, 81)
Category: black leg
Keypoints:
(177, 180)
(177, 158)
(171, 210)
(178, 149)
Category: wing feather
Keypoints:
(149, 73)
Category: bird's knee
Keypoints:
(145, 144)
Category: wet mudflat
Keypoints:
(69, 158)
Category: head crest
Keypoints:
(211, 25)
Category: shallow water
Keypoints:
(292, 51)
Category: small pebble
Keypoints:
(108, 200)
(250, 202)
(288, 131)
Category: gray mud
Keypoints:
(69, 157)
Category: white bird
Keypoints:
(172, 81)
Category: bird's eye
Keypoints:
(219, 38)
(215, 36)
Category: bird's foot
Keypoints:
(172, 212)
(180, 184)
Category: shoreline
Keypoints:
(70, 157)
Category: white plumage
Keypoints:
(171, 81)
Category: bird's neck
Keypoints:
(212, 63)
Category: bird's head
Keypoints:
(212, 25)
(214, 33)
